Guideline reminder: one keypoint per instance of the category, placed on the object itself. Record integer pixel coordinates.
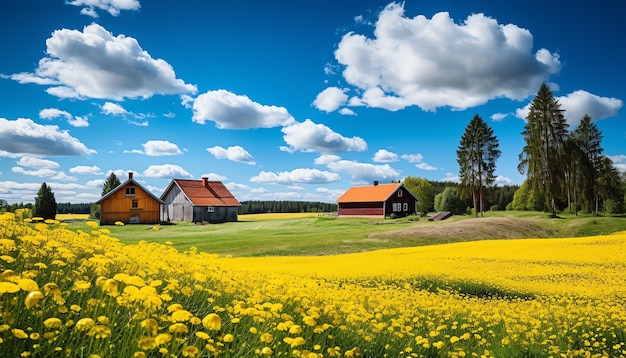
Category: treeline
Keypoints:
(69, 208)
(269, 206)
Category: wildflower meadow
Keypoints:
(82, 293)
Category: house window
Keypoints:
(400, 193)
(130, 191)
(405, 207)
(134, 204)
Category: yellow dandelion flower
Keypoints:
(190, 351)
(178, 328)
(103, 320)
(110, 287)
(202, 335)
(75, 308)
(195, 320)
(267, 338)
(27, 284)
(119, 223)
(162, 339)
(295, 329)
(228, 338)
(34, 336)
(100, 331)
(52, 323)
(139, 354)
(150, 324)
(181, 316)
(18, 333)
(174, 307)
(33, 299)
(267, 351)
(8, 287)
(212, 322)
(85, 324)
(146, 343)
(7, 258)
(92, 224)
(199, 276)
(163, 351)
(81, 286)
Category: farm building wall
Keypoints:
(373, 209)
(219, 214)
(177, 207)
(400, 203)
(138, 207)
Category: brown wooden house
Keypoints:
(130, 203)
(199, 201)
(377, 201)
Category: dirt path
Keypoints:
(473, 229)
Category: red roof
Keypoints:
(371, 193)
(206, 193)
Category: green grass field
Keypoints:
(299, 234)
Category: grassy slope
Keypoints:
(272, 235)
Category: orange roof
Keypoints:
(370, 193)
(213, 194)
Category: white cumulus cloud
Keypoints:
(364, 172)
(37, 163)
(308, 136)
(234, 153)
(385, 156)
(330, 99)
(113, 7)
(299, 176)
(166, 171)
(23, 136)
(96, 64)
(157, 148)
(436, 62)
(85, 169)
(232, 111)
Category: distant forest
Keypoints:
(497, 197)
(269, 206)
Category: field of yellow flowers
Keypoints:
(66, 293)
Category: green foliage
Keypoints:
(45, 204)
(527, 198)
(111, 183)
(477, 155)
(449, 201)
(273, 206)
(422, 189)
(94, 211)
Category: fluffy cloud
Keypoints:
(23, 136)
(385, 156)
(166, 171)
(330, 99)
(327, 158)
(619, 161)
(425, 166)
(37, 163)
(435, 62)
(51, 113)
(113, 109)
(157, 148)
(311, 137)
(113, 7)
(231, 111)
(300, 176)
(95, 64)
(234, 153)
(579, 103)
(84, 169)
(364, 172)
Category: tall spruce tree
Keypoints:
(543, 157)
(588, 138)
(45, 203)
(111, 183)
(477, 155)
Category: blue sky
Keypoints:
(289, 100)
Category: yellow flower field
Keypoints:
(82, 293)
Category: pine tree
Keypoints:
(588, 139)
(45, 204)
(111, 183)
(543, 157)
(477, 155)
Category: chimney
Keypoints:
(205, 182)
(375, 182)
(130, 175)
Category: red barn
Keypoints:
(377, 201)
(130, 203)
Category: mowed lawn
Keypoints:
(310, 234)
